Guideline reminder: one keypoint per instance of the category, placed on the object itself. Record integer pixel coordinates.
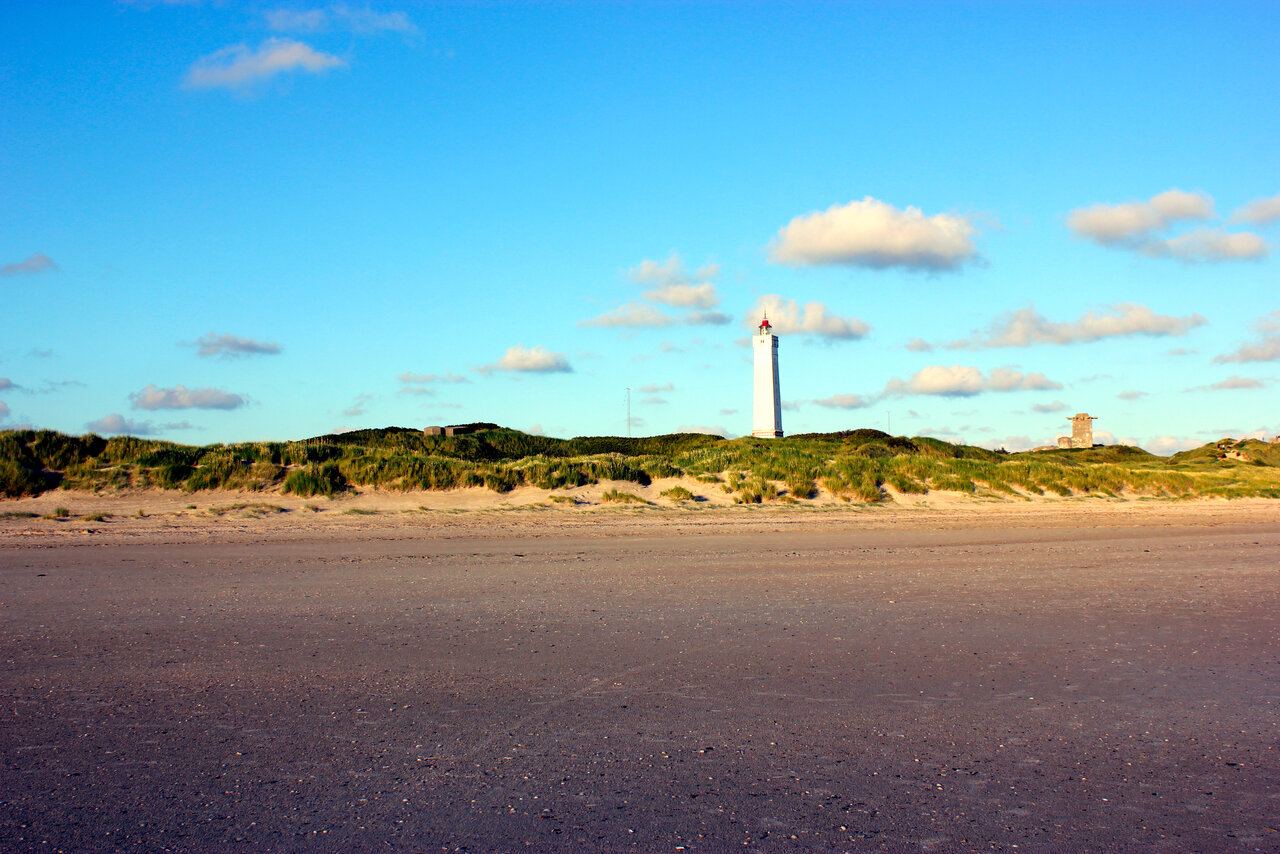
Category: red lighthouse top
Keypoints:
(764, 324)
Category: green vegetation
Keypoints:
(861, 466)
(245, 510)
(677, 494)
(617, 496)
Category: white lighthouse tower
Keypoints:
(766, 420)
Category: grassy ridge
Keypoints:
(854, 465)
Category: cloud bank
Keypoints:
(1135, 226)
(787, 317)
(180, 397)
(233, 347)
(35, 263)
(410, 378)
(871, 233)
(846, 401)
(1258, 211)
(1232, 383)
(1122, 224)
(536, 360)
(671, 284)
(239, 67)
(115, 424)
(364, 21)
(1026, 326)
(966, 381)
(1266, 349)
(668, 283)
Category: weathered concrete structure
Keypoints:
(1081, 432)
(459, 429)
(766, 420)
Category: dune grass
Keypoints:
(858, 466)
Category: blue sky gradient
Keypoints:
(226, 221)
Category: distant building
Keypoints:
(1081, 432)
(459, 429)
(766, 419)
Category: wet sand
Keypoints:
(1054, 682)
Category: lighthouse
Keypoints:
(766, 420)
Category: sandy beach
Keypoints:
(1080, 674)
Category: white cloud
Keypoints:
(845, 401)
(536, 360)
(6, 384)
(633, 314)
(707, 318)
(1132, 394)
(1007, 379)
(1055, 406)
(1209, 244)
(1232, 383)
(1165, 445)
(115, 423)
(1266, 349)
(1010, 443)
(4, 410)
(966, 381)
(239, 67)
(1258, 211)
(638, 315)
(671, 284)
(357, 406)
(657, 389)
(872, 233)
(684, 296)
(1124, 224)
(366, 21)
(35, 263)
(232, 346)
(361, 21)
(429, 379)
(713, 430)
(788, 318)
(181, 397)
(297, 21)
(919, 345)
(1134, 225)
(1026, 326)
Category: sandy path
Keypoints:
(822, 686)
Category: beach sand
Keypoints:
(949, 675)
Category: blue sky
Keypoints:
(228, 221)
